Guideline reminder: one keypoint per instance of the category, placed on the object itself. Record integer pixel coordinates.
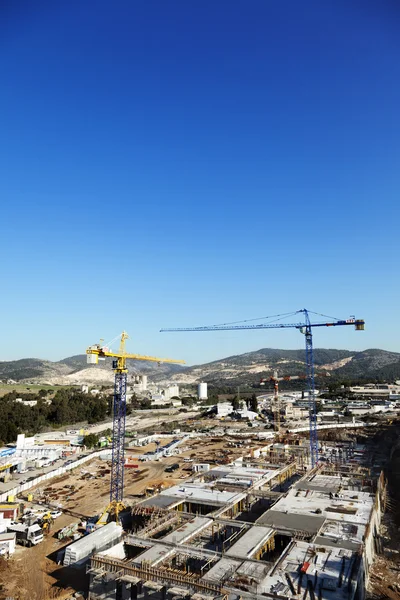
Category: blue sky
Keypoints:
(188, 163)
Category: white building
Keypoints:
(328, 413)
(371, 390)
(7, 543)
(26, 402)
(359, 409)
(295, 412)
(140, 383)
(170, 391)
(224, 409)
(202, 391)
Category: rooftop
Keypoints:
(154, 555)
(163, 501)
(350, 506)
(291, 522)
(202, 493)
(188, 530)
(349, 535)
(324, 568)
(251, 542)
(222, 569)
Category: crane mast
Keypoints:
(276, 403)
(275, 379)
(94, 354)
(312, 408)
(304, 327)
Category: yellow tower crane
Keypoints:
(94, 354)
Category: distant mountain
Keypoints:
(75, 370)
(235, 370)
(251, 367)
(31, 368)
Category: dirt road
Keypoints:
(142, 422)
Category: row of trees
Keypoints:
(68, 406)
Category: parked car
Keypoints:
(56, 513)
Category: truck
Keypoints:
(27, 535)
(172, 468)
(43, 462)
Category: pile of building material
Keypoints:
(101, 539)
(67, 531)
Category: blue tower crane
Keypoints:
(304, 327)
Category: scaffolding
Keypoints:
(100, 566)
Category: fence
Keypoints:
(333, 426)
(50, 475)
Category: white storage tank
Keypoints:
(144, 383)
(202, 391)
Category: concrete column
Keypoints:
(153, 591)
(103, 590)
(126, 590)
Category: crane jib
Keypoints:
(358, 323)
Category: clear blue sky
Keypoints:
(172, 163)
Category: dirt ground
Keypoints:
(385, 572)
(33, 573)
(30, 573)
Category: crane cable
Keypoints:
(282, 316)
(326, 316)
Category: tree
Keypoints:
(91, 440)
(187, 401)
(253, 404)
(145, 404)
(236, 403)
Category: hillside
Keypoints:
(75, 370)
(233, 370)
(252, 366)
(32, 368)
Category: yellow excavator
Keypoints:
(46, 522)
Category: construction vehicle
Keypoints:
(276, 403)
(172, 468)
(46, 521)
(305, 328)
(101, 352)
(27, 535)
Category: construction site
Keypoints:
(221, 514)
(228, 522)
